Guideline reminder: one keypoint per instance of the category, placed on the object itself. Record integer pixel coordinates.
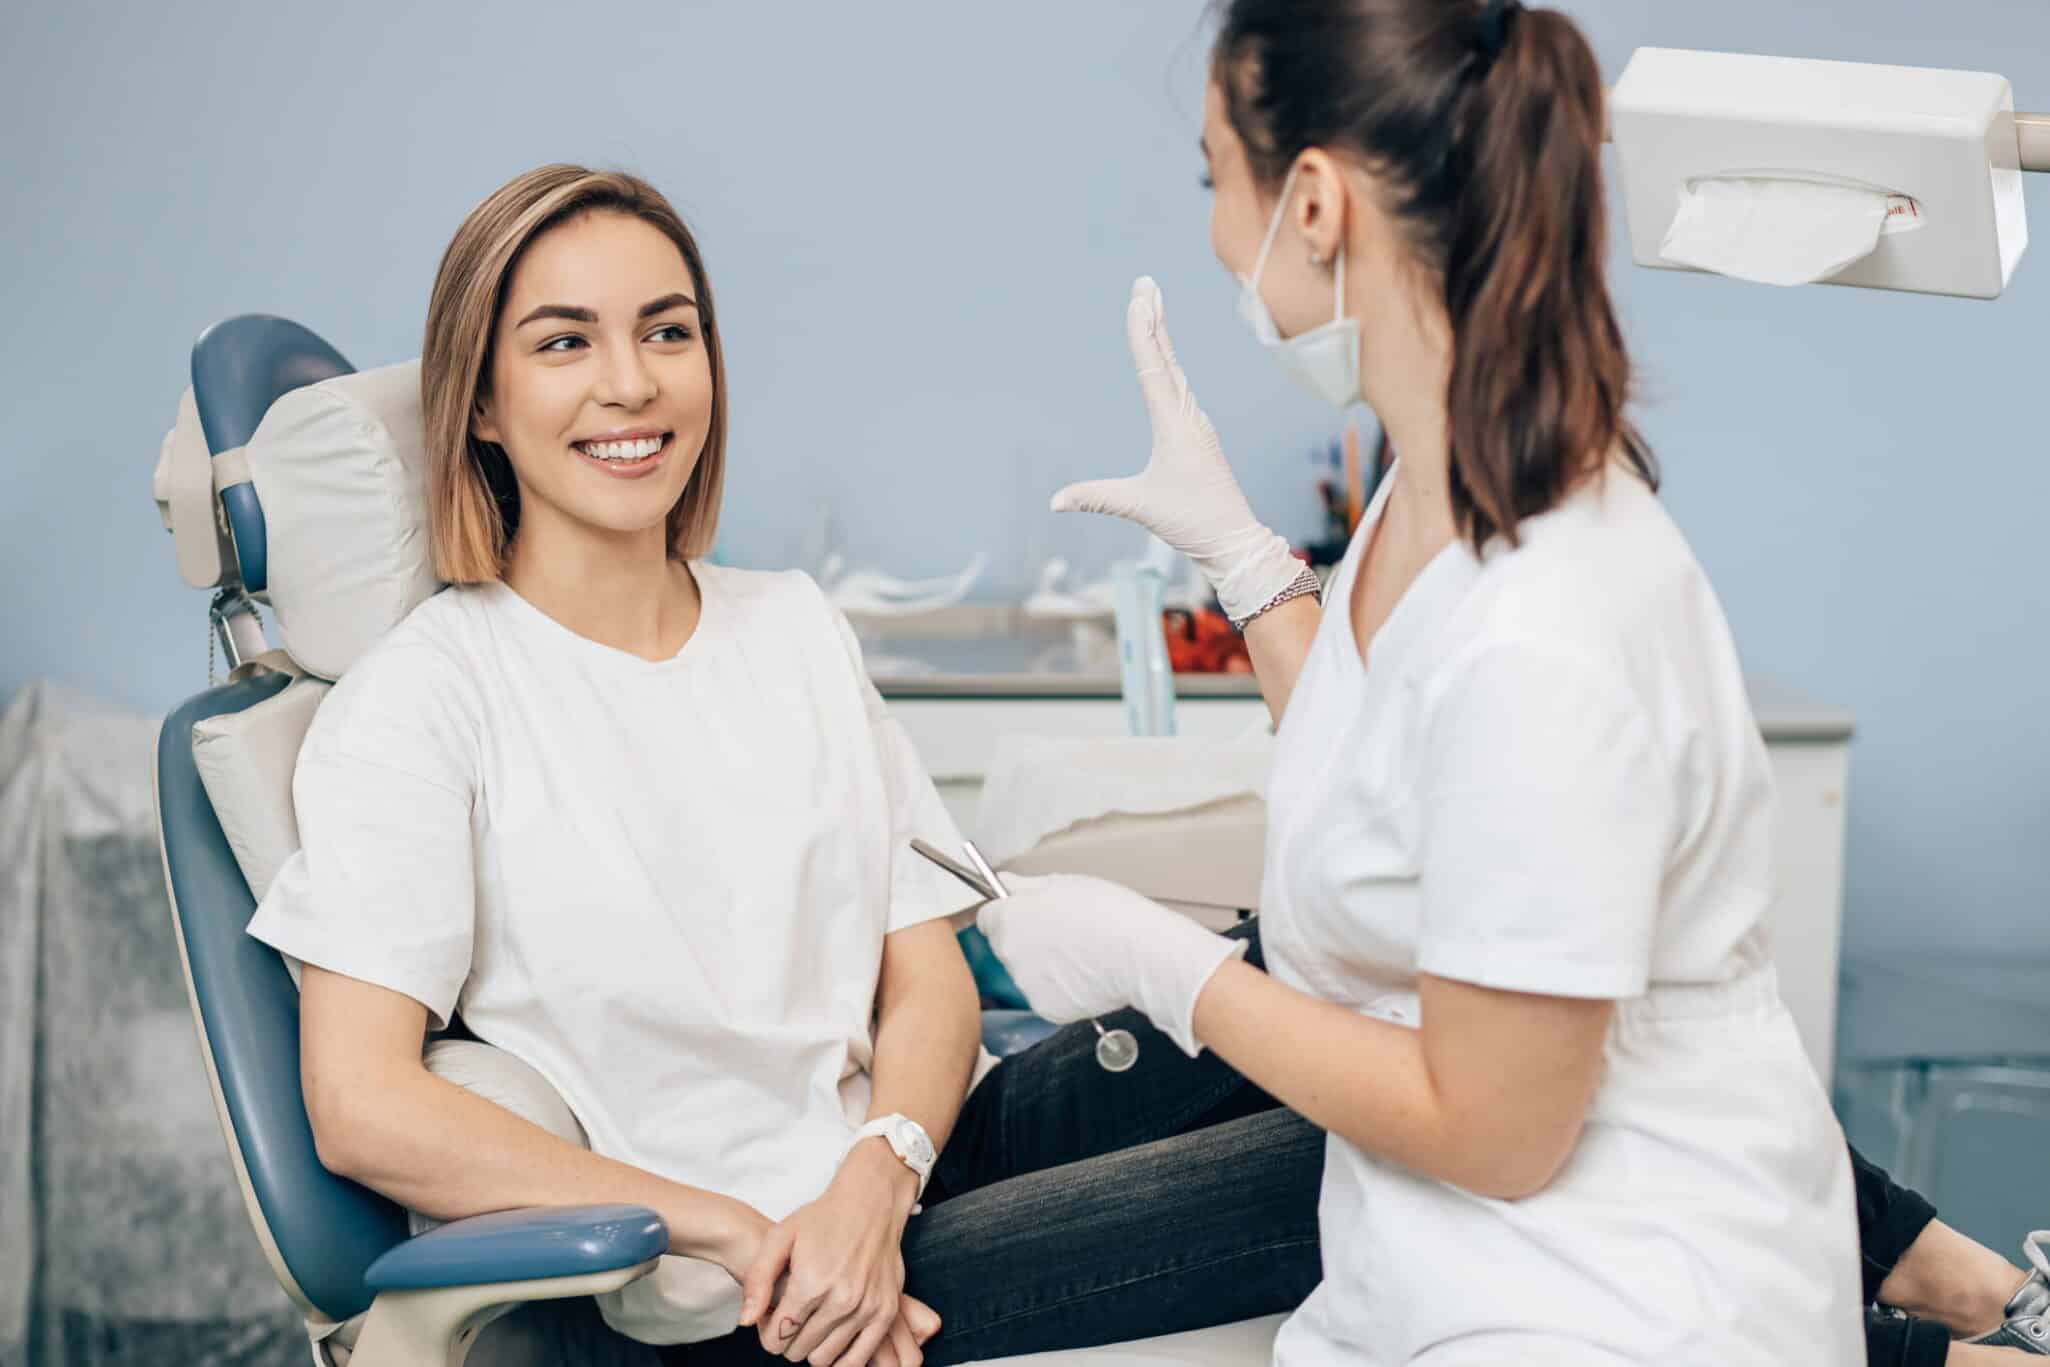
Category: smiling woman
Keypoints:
(522, 308)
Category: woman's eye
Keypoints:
(558, 343)
(672, 332)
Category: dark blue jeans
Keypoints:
(1073, 1207)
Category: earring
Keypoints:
(1316, 259)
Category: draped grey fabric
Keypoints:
(122, 1235)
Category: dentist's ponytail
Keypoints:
(1483, 122)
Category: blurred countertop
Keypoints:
(991, 652)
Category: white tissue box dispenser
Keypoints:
(1945, 139)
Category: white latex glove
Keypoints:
(1186, 495)
(1081, 947)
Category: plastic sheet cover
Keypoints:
(122, 1236)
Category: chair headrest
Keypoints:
(340, 469)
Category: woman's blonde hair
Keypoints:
(473, 508)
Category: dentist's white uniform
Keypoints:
(1550, 781)
(1545, 778)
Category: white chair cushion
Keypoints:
(245, 761)
(341, 470)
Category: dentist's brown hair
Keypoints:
(1482, 122)
(473, 502)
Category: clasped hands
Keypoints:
(826, 1285)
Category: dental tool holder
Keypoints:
(1949, 140)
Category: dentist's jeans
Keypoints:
(1074, 1207)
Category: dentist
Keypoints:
(1519, 850)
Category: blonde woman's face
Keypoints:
(600, 385)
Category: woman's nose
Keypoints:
(625, 380)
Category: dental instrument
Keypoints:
(1116, 1050)
(962, 872)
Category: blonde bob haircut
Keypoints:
(473, 501)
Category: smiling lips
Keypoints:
(625, 456)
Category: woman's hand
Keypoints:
(1186, 495)
(915, 1325)
(840, 1264)
(1083, 947)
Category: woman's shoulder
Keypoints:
(752, 587)
(417, 681)
(788, 604)
(775, 600)
(432, 646)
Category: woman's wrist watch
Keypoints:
(907, 1139)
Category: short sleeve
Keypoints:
(918, 891)
(1546, 820)
(382, 887)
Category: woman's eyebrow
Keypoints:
(677, 299)
(569, 311)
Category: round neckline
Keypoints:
(598, 649)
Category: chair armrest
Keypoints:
(522, 1245)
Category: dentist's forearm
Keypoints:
(1260, 1027)
(1394, 1092)
(1279, 642)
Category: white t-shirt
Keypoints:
(665, 884)
(1547, 779)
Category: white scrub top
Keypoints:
(1549, 780)
(663, 884)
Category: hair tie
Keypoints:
(1494, 26)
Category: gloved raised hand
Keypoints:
(1082, 947)
(1186, 495)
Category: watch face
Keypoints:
(916, 1144)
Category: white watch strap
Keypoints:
(884, 1128)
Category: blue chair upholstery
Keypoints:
(327, 1230)
(522, 1245)
(1009, 1032)
(239, 368)
(993, 982)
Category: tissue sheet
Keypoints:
(1778, 232)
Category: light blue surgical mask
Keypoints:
(1326, 359)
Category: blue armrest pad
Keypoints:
(1007, 1032)
(522, 1246)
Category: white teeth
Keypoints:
(639, 449)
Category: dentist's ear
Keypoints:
(1319, 207)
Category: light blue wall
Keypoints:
(922, 219)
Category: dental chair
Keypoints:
(294, 481)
